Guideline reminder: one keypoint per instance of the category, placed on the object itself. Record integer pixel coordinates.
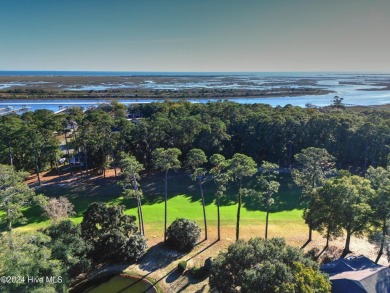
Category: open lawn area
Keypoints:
(184, 201)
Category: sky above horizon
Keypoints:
(214, 35)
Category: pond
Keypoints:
(123, 284)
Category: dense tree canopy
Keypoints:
(64, 250)
(111, 233)
(315, 164)
(380, 204)
(311, 141)
(344, 203)
(29, 254)
(259, 131)
(68, 246)
(14, 194)
(265, 265)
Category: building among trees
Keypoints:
(357, 274)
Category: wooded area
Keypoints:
(338, 157)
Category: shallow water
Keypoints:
(123, 285)
(351, 87)
(363, 98)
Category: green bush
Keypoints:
(135, 247)
(183, 234)
(199, 272)
(182, 266)
(203, 271)
(208, 263)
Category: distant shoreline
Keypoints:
(298, 89)
(156, 87)
(108, 97)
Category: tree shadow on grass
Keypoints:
(152, 198)
(159, 256)
(153, 186)
(191, 280)
(179, 183)
(82, 193)
(194, 278)
(51, 173)
(174, 275)
(34, 214)
(287, 199)
(202, 250)
(305, 244)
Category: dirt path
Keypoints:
(52, 177)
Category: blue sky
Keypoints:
(188, 35)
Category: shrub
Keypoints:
(199, 272)
(135, 247)
(183, 234)
(208, 263)
(182, 266)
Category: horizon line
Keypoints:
(181, 71)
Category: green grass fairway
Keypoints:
(184, 201)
